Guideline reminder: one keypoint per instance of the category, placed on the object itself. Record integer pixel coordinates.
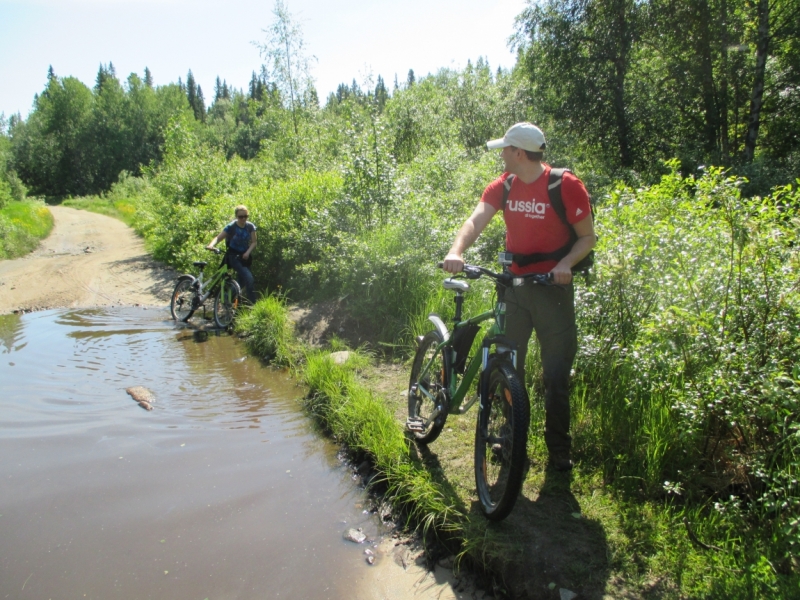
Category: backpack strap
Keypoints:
(554, 192)
(507, 190)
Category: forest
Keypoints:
(682, 118)
(619, 86)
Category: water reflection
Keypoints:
(221, 491)
(10, 333)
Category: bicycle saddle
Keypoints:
(200, 264)
(458, 285)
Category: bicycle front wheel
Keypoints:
(500, 439)
(428, 392)
(182, 301)
(226, 302)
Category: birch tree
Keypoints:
(287, 63)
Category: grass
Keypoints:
(268, 332)
(360, 420)
(22, 226)
(120, 202)
(122, 209)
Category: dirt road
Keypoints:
(88, 260)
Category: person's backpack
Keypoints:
(554, 192)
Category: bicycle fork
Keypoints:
(505, 349)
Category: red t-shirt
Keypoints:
(532, 225)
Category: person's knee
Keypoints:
(557, 370)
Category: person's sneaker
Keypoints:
(561, 462)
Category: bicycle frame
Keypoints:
(457, 390)
(441, 381)
(211, 284)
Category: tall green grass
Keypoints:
(269, 332)
(360, 420)
(22, 226)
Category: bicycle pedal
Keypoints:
(415, 424)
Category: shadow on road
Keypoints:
(546, 544)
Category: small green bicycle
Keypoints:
(442, 374)
(191, 294)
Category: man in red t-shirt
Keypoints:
(532, 226)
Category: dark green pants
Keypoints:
(550, 311)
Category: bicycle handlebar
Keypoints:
(506, 277)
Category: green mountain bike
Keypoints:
(444, 368)
(191, 294)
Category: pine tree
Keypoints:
(200, 106)
(221, 90)
(148, 78)
(411, 79)
(381, 94)
(191, 88)
(254, 87)
(191, 93)
(103, 75)
(261, 87)
(342, 93)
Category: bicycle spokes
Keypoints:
(500, 440)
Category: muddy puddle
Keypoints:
(223, 490)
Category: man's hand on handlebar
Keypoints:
(453, 263)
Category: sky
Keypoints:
(351, 39)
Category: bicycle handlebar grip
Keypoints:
(440, 265)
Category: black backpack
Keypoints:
(554, 192)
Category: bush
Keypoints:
(5, 193)
(689, 345)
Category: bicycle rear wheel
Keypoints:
(226, 301)
(501, 438)
(421, 406)
(182, 301)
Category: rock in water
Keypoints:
(355, 535)
(142, 394)
(145, 405)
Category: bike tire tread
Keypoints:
(520, 412)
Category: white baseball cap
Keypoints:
(522, 135)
